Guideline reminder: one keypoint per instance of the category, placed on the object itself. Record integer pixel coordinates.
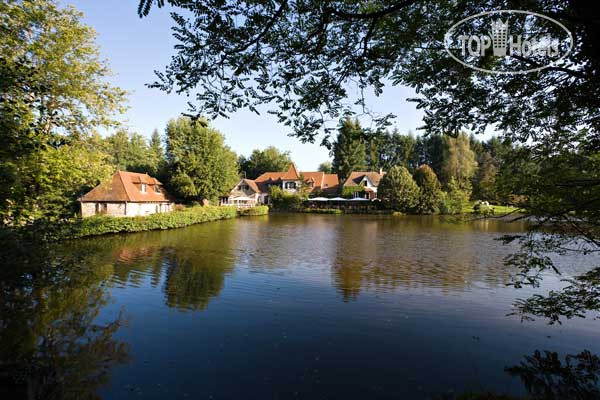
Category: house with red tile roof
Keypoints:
(250, 192)
(366, 183)
(126, 194)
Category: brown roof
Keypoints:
(356, 178)
(252, 185)
(126, 186)
(290, 174)
(321, 180)
(330, 183)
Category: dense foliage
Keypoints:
(430, 192)
(53, 93)
(200, 164)
(270, 159)
(257, 210)
(348, 151)
(398, 190)
(100, 225)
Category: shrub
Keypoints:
(100, 225)
(283, 200)
(398, 190)
(483, 208)
(257, 210)
(430, 192)
(454, 200)
(348, 191)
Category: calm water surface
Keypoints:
(303, 306)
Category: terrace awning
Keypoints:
(338, 199)
(319, 199)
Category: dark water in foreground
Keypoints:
(287, 306)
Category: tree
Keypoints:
(398, 190)
(384, 150)
(270, 159)
(53, 94)
(156, 154)
(458, 161)
(301, 56)
(326, 167)
(455, 198)
(485, 178)
(430, 192)
(200, 164)
(348, 151)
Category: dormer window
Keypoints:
(156, 189)
(143, 188)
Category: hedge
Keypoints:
(258, 210)
(100, 225)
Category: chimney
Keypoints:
(380, 171)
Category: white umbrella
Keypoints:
(338, 199)
(319, 199)
(358, 199)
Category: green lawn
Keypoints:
(498, 209)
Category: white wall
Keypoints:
(121, 209)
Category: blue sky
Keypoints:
(136, 47)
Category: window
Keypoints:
(156, 189)
(143, 188)
(290, 185)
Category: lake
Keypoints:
(282, 306)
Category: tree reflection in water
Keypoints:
(546, 376)
(51, 346)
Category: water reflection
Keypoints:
(51, 344)
(291, 300)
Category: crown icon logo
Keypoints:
(499, 37)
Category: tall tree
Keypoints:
(458, 161)
(270, 159)
(156, 153)
(398, 190)
(201, 165)
(53, 93)
(348, 151)
(430, 191)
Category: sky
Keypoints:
(135, 48)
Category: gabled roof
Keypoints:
(291, 174)
(357, 177)
(126, 186)
(330, 183)
(251, 184)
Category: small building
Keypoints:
(366, 183)
(127, 194)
